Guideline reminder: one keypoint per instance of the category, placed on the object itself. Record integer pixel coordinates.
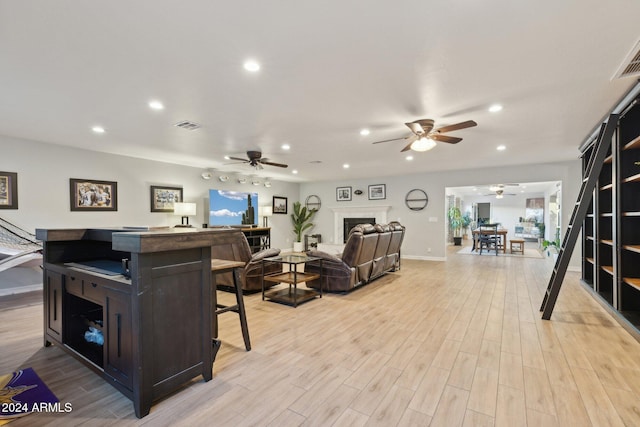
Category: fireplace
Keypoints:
(379, 212)
(349, 223)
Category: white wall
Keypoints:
(43, 188)
(506, 211)
(423, 234)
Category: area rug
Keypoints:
(22, 393)
(528, 253)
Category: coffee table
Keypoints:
(292, 295)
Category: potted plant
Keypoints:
(466, 221)
(455, 222)
(301, 218)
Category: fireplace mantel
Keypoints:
(340, 213)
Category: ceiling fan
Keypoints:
(496, 187)
(423, 134)
(255, 159)
(500, 194)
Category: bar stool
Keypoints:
(219, 266)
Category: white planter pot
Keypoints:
(298, 246)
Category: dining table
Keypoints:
(502, 235)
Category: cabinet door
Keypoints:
(53, 304)
(118, 337)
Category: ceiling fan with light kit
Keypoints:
(255, 159)
(498, 190)
(424, 136)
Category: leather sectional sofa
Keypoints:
(370, 252)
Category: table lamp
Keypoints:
(185, 210)
(267, 211)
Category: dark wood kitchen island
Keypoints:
(134, 306)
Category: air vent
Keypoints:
(186, 124)
(631, 64)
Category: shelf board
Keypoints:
(288, 277)
(608, 269)
(632, 248)
(590, 215)
(633, 281)
(606, 242)
(634, 144)
(590, 238)
(606, 215)
(630, 213)
(589, 260)
(606, 187)
(608, 159)
(633, 178)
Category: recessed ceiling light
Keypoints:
(252, 66)
(285, 146)
(365, 132)
(346, 166)
(295, 171)
(409, 157)
(98, 129)
(227, 158)
(501, 147)
(156, 105)
(495, 108)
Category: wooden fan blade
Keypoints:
(238, 159)
(445, 138)
(457, 126)
(279, 165)
(415, 127)
(389, 140)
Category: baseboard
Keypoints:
(423, 258)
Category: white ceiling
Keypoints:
(329, 69)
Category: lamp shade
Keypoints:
(184, 209)
(267, 211)
(423, 144)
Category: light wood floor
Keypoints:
(456, 343)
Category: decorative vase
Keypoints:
(297, 247)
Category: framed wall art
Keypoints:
(163, 198)
(93, 195)
(279, 205)
(8, 190)
(343, 194)
(377, 192)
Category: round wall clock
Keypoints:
(416, 199)
(313, 202)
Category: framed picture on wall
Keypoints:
(377, 192)
(93, 195)
(163, 198)
(279, 205)
(343, 194)
(8, 190)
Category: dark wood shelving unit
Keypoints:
(611, 230)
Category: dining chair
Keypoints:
(488, 237)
